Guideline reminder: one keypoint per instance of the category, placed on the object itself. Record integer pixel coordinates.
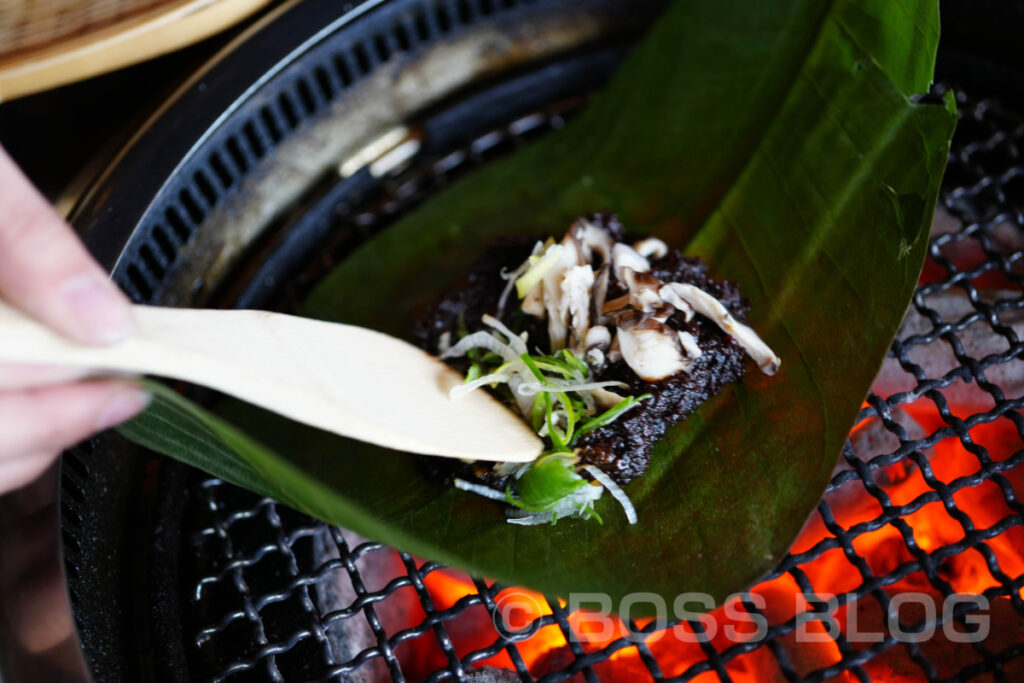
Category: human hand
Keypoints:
(47, 272)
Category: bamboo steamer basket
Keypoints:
(47, 43)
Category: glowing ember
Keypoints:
(883, 549)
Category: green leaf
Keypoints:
(546, 483)
(775, 140)
(174, 425)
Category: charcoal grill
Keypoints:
(231, 197)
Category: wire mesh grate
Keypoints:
(926, 500)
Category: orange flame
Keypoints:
(831, 573)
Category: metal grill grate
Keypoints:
(277, 596)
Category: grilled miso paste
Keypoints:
(602, 343)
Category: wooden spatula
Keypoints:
(348, 380)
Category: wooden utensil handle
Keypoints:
(200, 346)
(25, 340)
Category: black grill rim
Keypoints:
(183, 208)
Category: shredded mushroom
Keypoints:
(565, 288)
(712, 309)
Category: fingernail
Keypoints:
(99, 313)
(124, 406)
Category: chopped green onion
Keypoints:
(551, 487)
(558, 438)
(564, 362)
(610, 415)
(537, 417)
(539, 268)
(574, 362)
(570, 415)
(544, 363)
(474, 372)
(532, 365)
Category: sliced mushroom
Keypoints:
(625, 257)
(597, 341)
(616, 305)
(533, 304)
(670, 297)
(599, 293)
(644, 294)
(593, 240)
(624, 316)
(614, 354)
(598, 337)
(712, 309)
(575, 307)
(552, 294)
(689, 343)
(652, 350)
(651, 247)
(562, 285)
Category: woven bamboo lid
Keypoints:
(46, 43)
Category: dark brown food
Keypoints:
(623, 448)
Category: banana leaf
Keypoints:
(779, 141)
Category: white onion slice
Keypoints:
(463, 389)
(531, 388)
(533, 519)
(483, 340)
(514, 340)
(613, 488)
(478, 489)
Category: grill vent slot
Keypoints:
(71, 540)
(444, 19)
(254, 139)
(364, 62)
(221, 170)
(206, 188)
(155, 265)
(195, 213)
(182, 231)
(291, 118)
(306, 96)
(270, 124)
(238, 156)
(323, 79)
(167, 248)
(402, 37)
(140, 286)
(383, 49)
(421, 25)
